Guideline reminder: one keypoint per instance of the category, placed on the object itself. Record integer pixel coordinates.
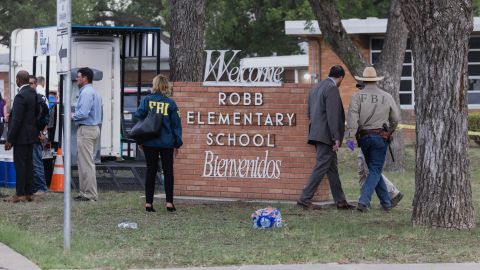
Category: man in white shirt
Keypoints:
(41, 85)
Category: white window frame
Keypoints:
(476, 77)
(412, 93)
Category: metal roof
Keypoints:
(352, 26)
(113, 29)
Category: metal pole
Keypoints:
(67, 122)
(139, 67)
(159, 42)
(34, 68)
(47, 77)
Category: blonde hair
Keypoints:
(161, 85)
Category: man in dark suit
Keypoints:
(327, 127)
(22, 134)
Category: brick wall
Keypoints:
(290, 148)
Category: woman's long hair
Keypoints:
(161, 85)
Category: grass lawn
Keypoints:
(221, 234)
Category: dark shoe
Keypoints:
(149, 209)
(82, 199)
(16, 199)
(362, 208)
(387, 208)
(29, 198)
(171, 209)
(305, 205)
(396, 199)
(345, 205)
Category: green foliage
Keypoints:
(33, 13)
(363, 9)
(474, 121)
(255, 27)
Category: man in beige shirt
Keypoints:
(370, 111)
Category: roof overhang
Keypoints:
(275, 61)
(352, 26)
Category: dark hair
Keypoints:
(336, 72)
(22, 76)
(32, 77)
(86, 72)
(40, 79)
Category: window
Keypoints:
(406, 84)
(474, 71)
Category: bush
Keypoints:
(474, 125)
(474, 122)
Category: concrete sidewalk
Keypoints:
(11, 260)
(335, 266)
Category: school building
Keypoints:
(368, 34)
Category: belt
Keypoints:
(365, 132)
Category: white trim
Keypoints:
(407, 107)
(352, 26)
(275, 61)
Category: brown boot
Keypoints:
(16, 199)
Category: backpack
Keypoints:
(42, 113)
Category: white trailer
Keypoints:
(102, 48)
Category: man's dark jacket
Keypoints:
(22, 128)
(325, 111)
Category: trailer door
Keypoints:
(104, 55)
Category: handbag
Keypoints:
(148, 128)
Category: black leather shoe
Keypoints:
(149, 209)
(305, 205)
(171, 209)
(82, 199)
(344, 205)
(395, 200)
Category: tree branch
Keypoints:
(335, 35)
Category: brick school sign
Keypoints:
(244, 142)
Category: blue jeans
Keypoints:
(374, 149)
(39, 183)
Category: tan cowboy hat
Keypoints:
(369, 75)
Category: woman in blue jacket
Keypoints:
(166, 145)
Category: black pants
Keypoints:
(23, 160)
(151, 156)
(326, 164)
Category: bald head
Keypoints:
(22, 77)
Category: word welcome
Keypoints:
(219, 69)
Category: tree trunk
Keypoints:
(440, 35)
(187, 21)
(390, 62)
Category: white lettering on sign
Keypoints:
(241, 119)
(217, 69)
(231, 139)
(259, 167)
(244, 99)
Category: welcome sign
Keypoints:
(220, 72)
(244, 142)
(239, 123)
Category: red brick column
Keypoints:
(293, 156)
